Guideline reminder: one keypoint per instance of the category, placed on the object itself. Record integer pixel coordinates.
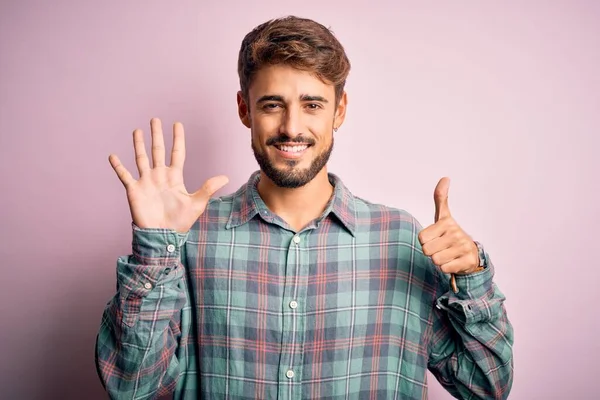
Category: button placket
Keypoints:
(294, 294)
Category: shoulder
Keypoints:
(371, 216)
(395, 230)
(216, 215)
(219, 206)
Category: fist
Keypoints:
(448, 245)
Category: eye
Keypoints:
(270, 106)
(313, 106)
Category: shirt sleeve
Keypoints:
(136, 347)
(470, 352)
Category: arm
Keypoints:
(141, 325)
(470, 352)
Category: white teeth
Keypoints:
(293, 149)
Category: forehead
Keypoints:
(288, 82)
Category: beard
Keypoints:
(291, 177)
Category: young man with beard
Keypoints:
(292, 287)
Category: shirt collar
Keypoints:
(247, 204)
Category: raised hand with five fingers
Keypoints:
(159, 198)
(448, 245)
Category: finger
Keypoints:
(202, 196)
(122, 173)
(436, 245)
(432, 232)
(178, 152)
(158, 143)
(456, 266)
(446, 256)
(440, 198)
(141, 158)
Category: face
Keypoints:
(291, 115)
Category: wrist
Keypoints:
(481, 263)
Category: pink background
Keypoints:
(504, 98)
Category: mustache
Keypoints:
(284, 140)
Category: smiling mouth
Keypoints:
(293, 148)
(294, 151)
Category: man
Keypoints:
(292, 287)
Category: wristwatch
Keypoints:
(483, 264)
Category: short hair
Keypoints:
(299, 43)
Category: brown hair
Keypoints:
(298, 42)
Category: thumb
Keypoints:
(209, 188)
(440, 198)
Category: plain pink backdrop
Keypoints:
(504, 98)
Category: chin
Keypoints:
(291, 173)
(287, 177)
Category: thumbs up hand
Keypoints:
(449, 247)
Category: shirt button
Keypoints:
(290, 374)
(148, 285)
(170, 248)
(293, 304)
(296, 239)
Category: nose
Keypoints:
(291, 123)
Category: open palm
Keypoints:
(159, 198)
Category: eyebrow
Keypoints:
(304, 97)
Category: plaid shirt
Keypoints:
(243, 307)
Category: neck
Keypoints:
(299, 206)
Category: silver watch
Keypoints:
(482, 257)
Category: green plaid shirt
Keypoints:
(243, 307)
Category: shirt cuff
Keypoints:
(156, 257)
(475, 300)
(156, 246)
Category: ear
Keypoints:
(340, 112)
(243, 110)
